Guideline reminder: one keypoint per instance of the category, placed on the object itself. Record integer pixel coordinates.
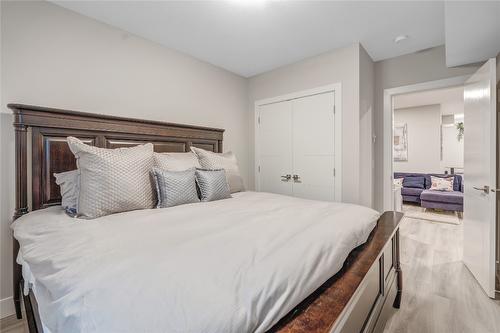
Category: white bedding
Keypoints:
(234, 265)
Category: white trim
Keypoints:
(7, 307)
(387, 178)
(336, 88)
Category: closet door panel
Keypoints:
(275, 150)
(313, 142)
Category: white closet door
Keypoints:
(275, 149)
(314, 146)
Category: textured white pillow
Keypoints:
(113, 180)
(226, 161)
(176, 161)
(442, 184)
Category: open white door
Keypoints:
(480, 175)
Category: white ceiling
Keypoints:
(454, 95)
(249, 37)
(472, 31)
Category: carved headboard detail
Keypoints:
(40, 146)
(44, 130)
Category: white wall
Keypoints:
(54, 57)
(405, 70)
(453, 150)
(342, 66)
(424, 140)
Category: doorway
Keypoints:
(428, 154)
(480, 243)
(389, 95)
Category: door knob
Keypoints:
(485, 188)
(286, 178)
(296, 179)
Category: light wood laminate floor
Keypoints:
(440, 295)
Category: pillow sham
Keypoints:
(176, 161)
(226, 161)
(212, 184)
(113, 180)
(442, 184)
(175, 188)
(69, 182)
(398, 181)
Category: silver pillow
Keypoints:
(176, 161)
(175, 188)
(226, 161)
(69, 185)
(113, 180)
(212, 184)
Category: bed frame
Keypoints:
(360, 298)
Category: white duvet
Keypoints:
(234, 265)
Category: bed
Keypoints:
(256, 262)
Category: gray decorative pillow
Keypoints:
(113, 180)
(176, 161)
(175, 188)
(69, 185)
(226, 161)
(212, 184)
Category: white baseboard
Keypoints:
(7, 307)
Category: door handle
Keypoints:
(485, 189)
(286, 178)
(296, 179)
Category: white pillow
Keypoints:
(398, 182)
(442, 184)
(226, 161)
(113, 180)
(176, 161)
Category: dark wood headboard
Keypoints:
(40, 146)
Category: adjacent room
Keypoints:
(249, 166)
(429, 154)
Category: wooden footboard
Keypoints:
(363, 295)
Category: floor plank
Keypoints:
(439, 293)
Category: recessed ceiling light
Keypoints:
(400, 38)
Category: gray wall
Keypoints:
(366, 147)
(424, 139)
(498, 67)
(54, 57)
(405, 70)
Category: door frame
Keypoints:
(389, 94)
(336, 88)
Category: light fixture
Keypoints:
(400, 38)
